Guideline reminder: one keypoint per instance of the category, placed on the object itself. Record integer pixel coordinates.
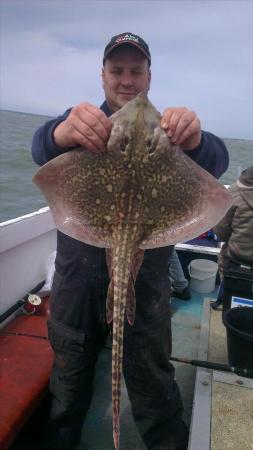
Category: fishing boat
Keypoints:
(211, 397)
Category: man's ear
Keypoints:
(149, 80)
(103, 76)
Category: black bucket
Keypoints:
(239, 325)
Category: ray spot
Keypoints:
(154, 193)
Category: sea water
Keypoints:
(19, 196)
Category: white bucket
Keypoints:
(203, 275)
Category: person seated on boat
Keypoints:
(77, 325)
(179, 284)
(236, 229)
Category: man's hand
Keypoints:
(87, 126)
(182, 126)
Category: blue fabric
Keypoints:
(176, 273)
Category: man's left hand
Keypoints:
(182, 126)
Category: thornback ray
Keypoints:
(141, 193)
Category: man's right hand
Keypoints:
(87, 126)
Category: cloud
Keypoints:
(51, 55)
(49, 75)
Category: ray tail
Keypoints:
(121, 269)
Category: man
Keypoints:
(77, 326)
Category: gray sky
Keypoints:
(202, 57)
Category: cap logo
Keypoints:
(127, 37)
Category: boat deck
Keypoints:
(222, 415)
(218, 405)
(97, 430)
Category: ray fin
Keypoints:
(131, 301)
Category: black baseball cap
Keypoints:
(129, 39)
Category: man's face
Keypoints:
(125, 74)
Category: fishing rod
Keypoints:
(215, 366)
(193, 362)
(208, 365)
